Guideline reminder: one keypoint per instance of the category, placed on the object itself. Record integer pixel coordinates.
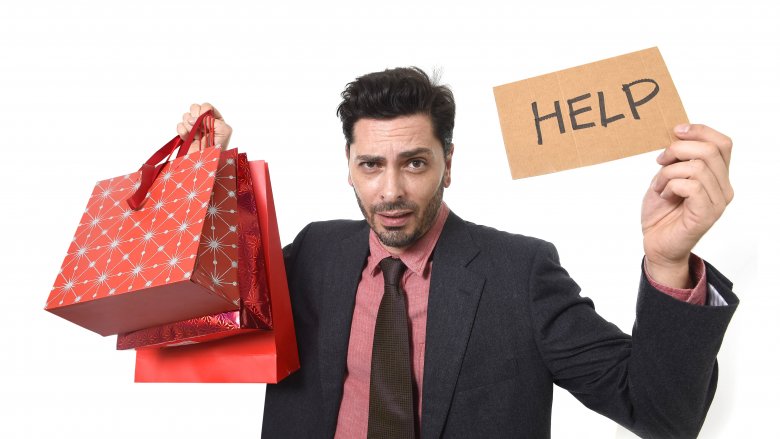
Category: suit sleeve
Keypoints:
(290, 253)
(281, 407)
(660, 381)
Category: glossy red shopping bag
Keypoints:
(259, 357)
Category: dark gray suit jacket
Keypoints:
(505, 322)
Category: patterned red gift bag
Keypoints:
(152, 247)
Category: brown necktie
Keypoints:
(391, 404)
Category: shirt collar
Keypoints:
(415, 257)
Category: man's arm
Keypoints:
(660, 381)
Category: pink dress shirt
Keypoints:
(353, 411)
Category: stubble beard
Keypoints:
(395, 236)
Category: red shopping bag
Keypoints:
(255, 308)
(259, 357)
(148, 249)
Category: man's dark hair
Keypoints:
(402, 91)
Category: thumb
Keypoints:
(682, 130)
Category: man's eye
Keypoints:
(417, 164)
(368, 165)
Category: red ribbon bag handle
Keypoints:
(151, 169)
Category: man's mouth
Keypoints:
(395, 218)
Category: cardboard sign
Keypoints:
(589, 114)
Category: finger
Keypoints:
(706, 134)
(204, 107)
(187, 120)
(195, 111)
(691, 191)
(182, 130)
(709, 153)
(217, 114)
(692, 195)
(196, 135)
(691, 170)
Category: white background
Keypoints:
(88, 89)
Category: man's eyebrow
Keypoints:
(369, 158)
(415, 152)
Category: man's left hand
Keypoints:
(686, 197)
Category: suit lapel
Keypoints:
(452, 303)
(337, 306)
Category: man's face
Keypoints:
(398, 170)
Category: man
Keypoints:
(489, 320)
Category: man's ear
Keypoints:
(448, 166)
(349, 174)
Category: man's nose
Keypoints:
(392, 185)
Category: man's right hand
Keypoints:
(222, 131)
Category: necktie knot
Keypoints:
(392, 270)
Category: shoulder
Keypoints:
(494, 253)
(322, 235)
(333, 230)
(499, 242)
